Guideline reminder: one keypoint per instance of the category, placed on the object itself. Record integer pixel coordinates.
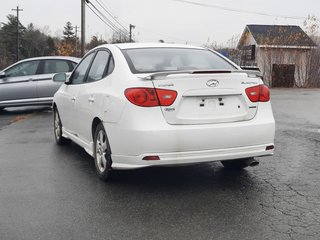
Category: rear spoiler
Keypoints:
(161, 75)
(251, 73)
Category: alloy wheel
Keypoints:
(57, 125)
(101, 151)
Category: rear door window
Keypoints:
(56, 66)
(99, 67)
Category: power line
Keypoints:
(168, 36)
(107, 21)
(115, 16)
(111, 15)
(104, 15)
(114, 29)
(238, 10)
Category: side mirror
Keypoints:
(2, 75)
(60, 77)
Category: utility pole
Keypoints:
(83, 23)
(18, 42)
(76, 32)
(130, 31)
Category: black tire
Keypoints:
(237, 164)
(57, 127)
(102, 153)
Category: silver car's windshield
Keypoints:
(149, 60)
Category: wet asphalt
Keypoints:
(52, 192)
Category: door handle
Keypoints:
(30, 79)
(73, 99)
(91, 99)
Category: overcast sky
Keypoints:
(180, 21)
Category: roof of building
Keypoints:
(279, 35)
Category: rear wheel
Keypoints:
(60, 140)
(102, 153)
(237, 164)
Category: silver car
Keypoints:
(29, 81)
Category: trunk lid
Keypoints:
(207, 98)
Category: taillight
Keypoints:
(150, 97)
(144, 97)
(260, 93)
(166, 97)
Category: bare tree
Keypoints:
(119, 37)
(311, 26)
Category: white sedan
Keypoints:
(139, 105)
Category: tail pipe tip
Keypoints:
(251, 162)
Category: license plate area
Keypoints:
(211, 107)
(206, 109)
(211, 103)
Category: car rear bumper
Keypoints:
(150, 135)
(192, 157)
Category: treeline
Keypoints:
(35, 42)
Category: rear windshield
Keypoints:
(150, 60)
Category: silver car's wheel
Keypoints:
(102, 153)
(57, 126)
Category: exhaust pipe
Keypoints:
(251, 162)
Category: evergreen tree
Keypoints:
(34, 42)
(8, 36)
(68, 33)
